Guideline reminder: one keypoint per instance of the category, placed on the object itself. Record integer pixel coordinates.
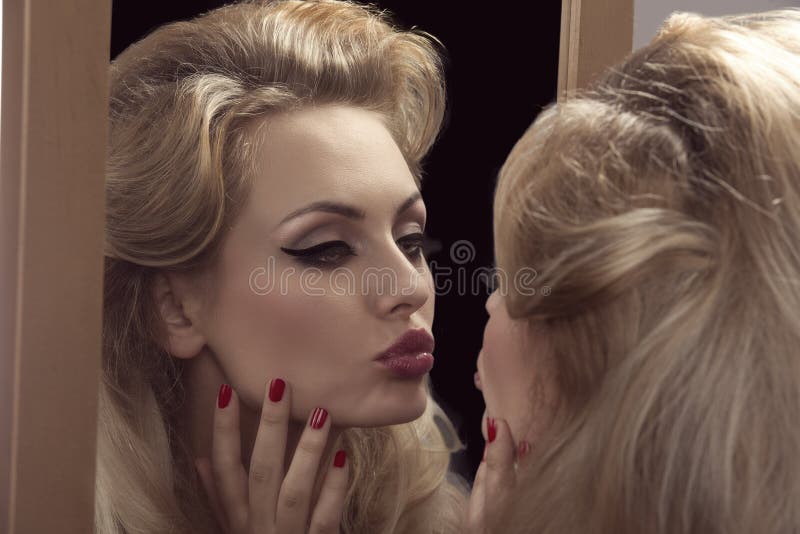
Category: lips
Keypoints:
(412, 342)
(410, 356)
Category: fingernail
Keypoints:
(224, 396)
(491, 429)
(340, 458)
(523, 449)
(276, 389)
(318, 418)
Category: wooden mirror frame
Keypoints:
(53, 137)
(54, 132)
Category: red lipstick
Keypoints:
(410, 356)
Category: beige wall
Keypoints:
(649, 14)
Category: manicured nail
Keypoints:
(491, 428)
(276, 389)
(224, 396)
(523, 449)
(318, 418)
(340, 458)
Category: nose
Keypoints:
(399, 288)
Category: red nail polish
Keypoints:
(318, 418)
(340, 458)
(224, 396)
(491, 429)
(523, 449)
(276, 389)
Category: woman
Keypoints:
(260, 157)
(650, 380)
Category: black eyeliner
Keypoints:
(313, 250)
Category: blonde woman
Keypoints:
(648, 381)
(263, 159)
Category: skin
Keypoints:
(323, 345)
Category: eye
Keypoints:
(413, 245)
(328, 254)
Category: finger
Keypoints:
(266, 463)
(295, 494)
(203, 466)
(476, 507)
(327, 515)
(226, 460)
(501, 477)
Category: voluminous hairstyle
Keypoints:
(186, 106)
(660, 209)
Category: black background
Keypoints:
(501, 67)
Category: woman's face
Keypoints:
(514, 373)
(323, 271)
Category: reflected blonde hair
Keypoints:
(661, 210)
(185, 105)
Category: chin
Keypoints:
(411, 410)
(391, 410)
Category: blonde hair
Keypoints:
(661, 211)
(185, 105)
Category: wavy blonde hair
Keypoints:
(661, 209)
(185, 105)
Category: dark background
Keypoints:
(502, 68)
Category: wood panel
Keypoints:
(54, 124)
(594, 35)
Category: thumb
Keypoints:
(475, 523)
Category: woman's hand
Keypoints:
(496, 479)
(266, 501)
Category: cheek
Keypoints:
(286, 333)
(496, 368)
(506, 373)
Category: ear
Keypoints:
(178, 303)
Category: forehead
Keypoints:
(327, 153)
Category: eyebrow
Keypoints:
(345, 210)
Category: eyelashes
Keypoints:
(335, 253)
(330, 253)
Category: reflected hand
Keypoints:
(267, 501)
